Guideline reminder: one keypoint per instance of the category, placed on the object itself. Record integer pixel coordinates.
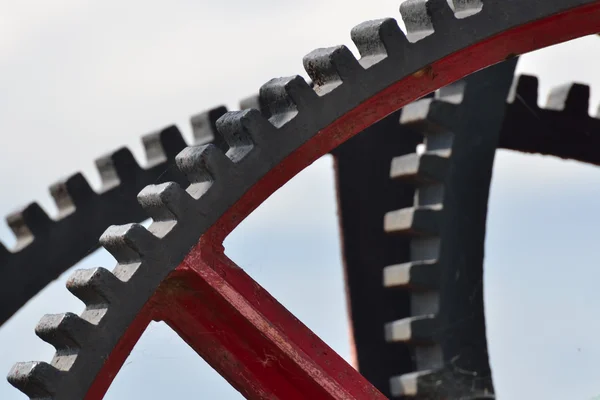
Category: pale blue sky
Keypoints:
(80, 79)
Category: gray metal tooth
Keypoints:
(424, 17)
(244, 129)
(155, 153)
(418, 275)
(465, 8)
(251, 102)
(71, 193)
(571, 97)
(415, 330)
(408, 384)
(28, 223)
(204, 165)
(129, 243)
(416, 19)
(419, 168)
(329, 67)
(63, 331)
(437, 383)
(452, 93)
(38, 380)
(430, 116)
(283, 98)
(204, 127)
(421, 221)
(114, 166)
(165, 202)
(379, 39)
(96, 286)
(162, 145)
(525, 89)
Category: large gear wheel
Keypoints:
(303, 124)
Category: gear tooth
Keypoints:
(378, 39)
(63, 331)
(572, 98)
(164, 202)
(411, 384)
(163, 145)
(419, 221)
(525, 89)
(129, 243)
(29, 222)
(252, 102)
(203, 165)
(452, 93)
(94, 286)
(424, 17)
(416, 19)
(71, 193)
(419, 275)
(38, 380)
(419, 168)
(243, 129)
(414, 330)
(329, 67)
(117, 167)
(285, 97)
(466, 8)
(204, 127)
(430, 116)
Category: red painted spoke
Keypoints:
(249, 337)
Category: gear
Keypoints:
(305, 123)
(40, 255)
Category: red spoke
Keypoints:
(250, 338)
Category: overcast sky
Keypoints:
(81, 78)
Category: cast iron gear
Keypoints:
(304, 124)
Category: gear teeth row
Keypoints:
(571, 98)
(421, 276)
(83, 213)
(135, 247)
(562, 127)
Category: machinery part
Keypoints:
(40, 255)
(562, 128)
(446, 227)
(189, 225)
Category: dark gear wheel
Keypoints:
(189, 226)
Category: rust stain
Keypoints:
(427, 72)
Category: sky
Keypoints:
(82, 78)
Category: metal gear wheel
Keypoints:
(179, 259)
